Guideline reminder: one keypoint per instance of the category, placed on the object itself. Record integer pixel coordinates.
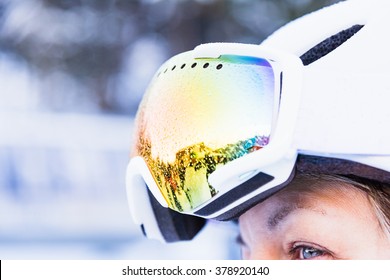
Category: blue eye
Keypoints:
(309, 253)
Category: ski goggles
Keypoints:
(214, 130)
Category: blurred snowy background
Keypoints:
(72, 73)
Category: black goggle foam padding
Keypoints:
(237, 211)
(233, 195)
(173, 225)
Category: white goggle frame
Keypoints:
(276, 159)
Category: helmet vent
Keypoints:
(329, 44)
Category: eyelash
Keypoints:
(296, 251)
(296, 247)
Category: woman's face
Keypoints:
(328, 222)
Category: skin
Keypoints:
(326, 222)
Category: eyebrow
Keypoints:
(279, 216)
(284, 211)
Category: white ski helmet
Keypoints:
(224, 126)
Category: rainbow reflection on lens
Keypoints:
(199, 114)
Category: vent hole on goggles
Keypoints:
(206, 65)
(328, 45)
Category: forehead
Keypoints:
(317, 197)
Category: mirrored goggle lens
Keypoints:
(199, 114)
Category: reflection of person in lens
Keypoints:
(320, 217)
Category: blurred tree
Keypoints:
(98, 55)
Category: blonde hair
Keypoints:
(378, 194)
